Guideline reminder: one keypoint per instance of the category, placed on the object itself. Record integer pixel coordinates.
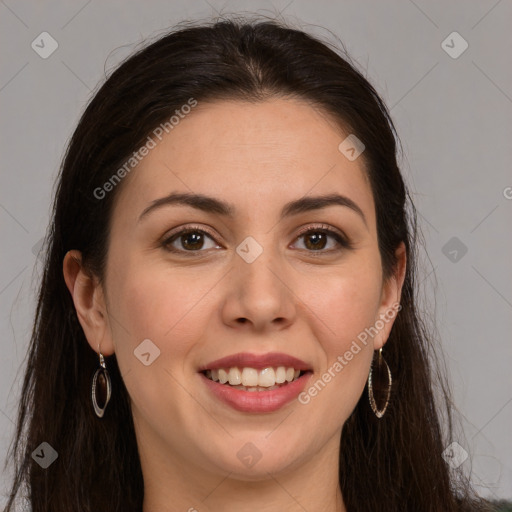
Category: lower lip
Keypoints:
(257, 401)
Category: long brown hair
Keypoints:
(391, 464)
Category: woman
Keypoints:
(227, 318)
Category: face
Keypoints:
(249, 282)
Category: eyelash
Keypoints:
(340, 239)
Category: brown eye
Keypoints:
(317, 240)
(188, 240)
(192, 240)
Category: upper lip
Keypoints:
(257, 361)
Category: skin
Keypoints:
(294, 299)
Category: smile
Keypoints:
(252, 379)
(255, 396)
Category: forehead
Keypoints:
(272, 151)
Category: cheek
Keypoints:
(346, 301)
(170, 310)
(345, 305)
(158, 303)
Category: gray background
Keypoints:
(454, 116)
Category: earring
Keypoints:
(101, 382)
(379, 412)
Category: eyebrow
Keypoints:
(212, 205)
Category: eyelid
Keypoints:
(191, 227)
(167, 239)
(342, 240)
(320, 227)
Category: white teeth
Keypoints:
(223, 376)
(252, 379)
(235, 377)
(267, 377)
(280, 375)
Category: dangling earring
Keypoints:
(101, 381)
(379, 412)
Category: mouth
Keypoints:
(256, 383)
(253, 379)
(255, 391)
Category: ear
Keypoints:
(89, 302)
(390, 299)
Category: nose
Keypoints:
(258, 294)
